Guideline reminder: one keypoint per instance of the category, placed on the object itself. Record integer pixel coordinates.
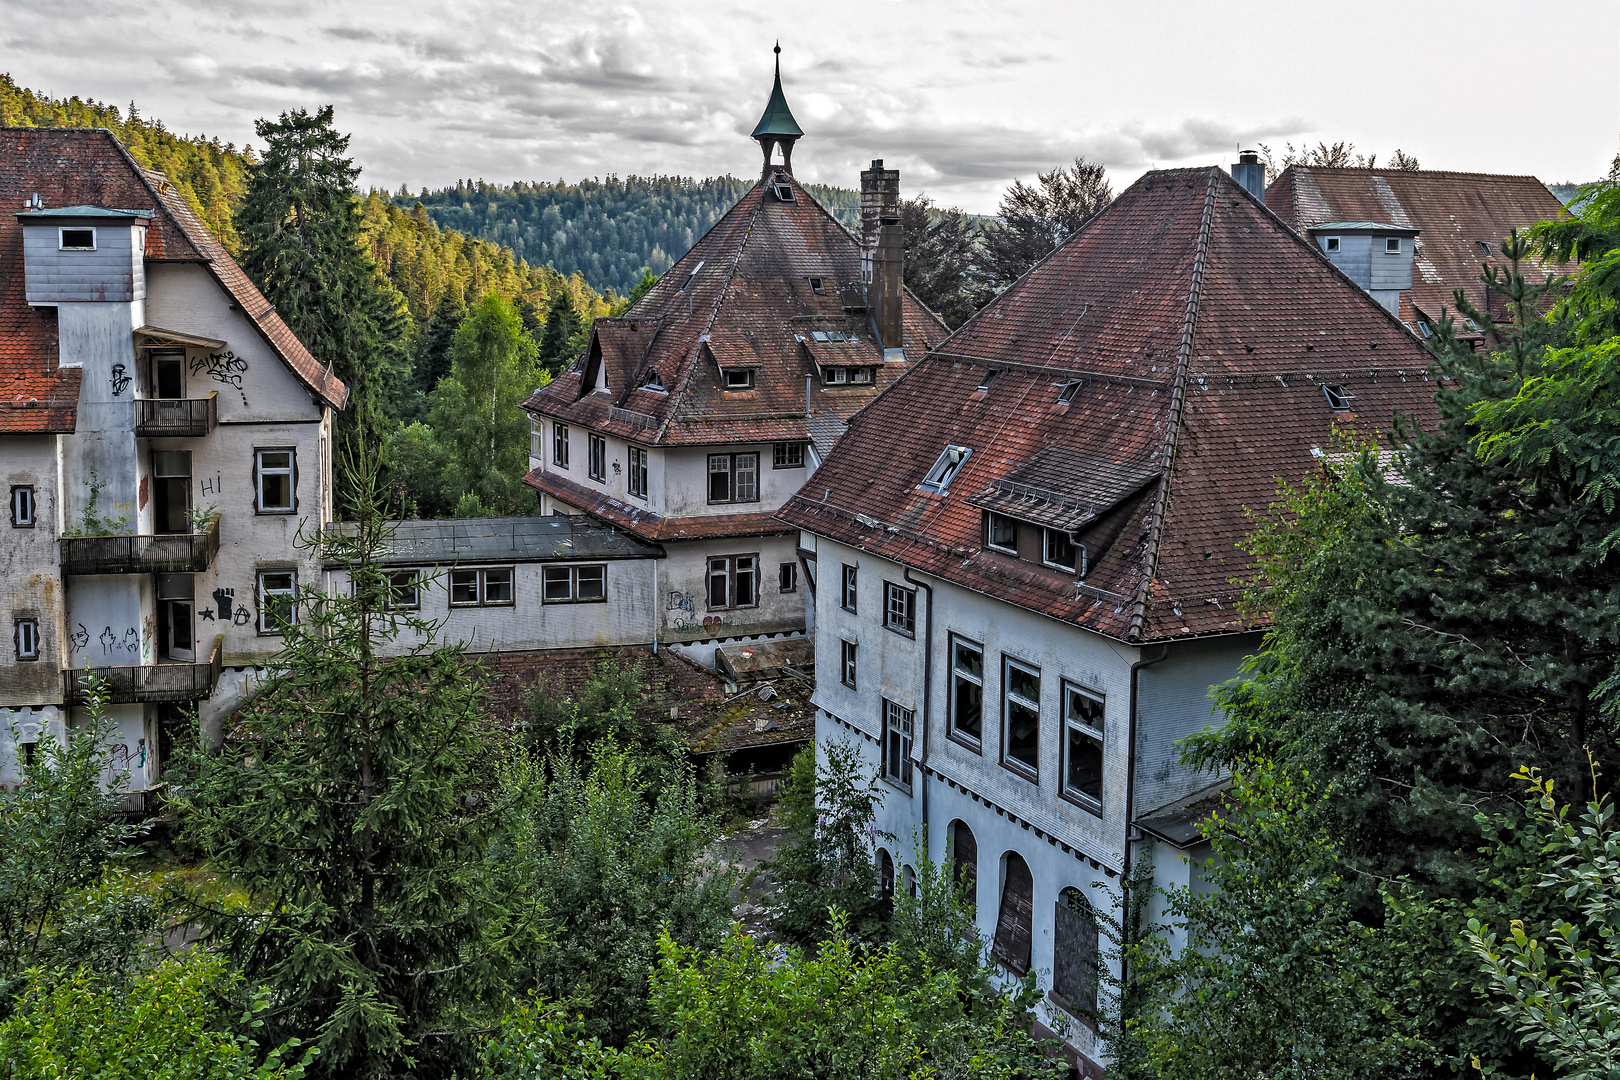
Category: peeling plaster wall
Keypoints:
(683, 595)
(30, 584)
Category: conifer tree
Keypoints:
(1036, 218)
(562, 326)
(352, 807)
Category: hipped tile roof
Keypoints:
(1452, 211)
(88, 167)
(1202, 330)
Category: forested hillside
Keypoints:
(608, 230)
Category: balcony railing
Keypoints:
(162, 553)
(146, 682)
(176, 417)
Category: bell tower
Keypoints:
(776, 125)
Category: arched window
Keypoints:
(885, 875)
(910, 876)
(965, 861)
(1012, 940)
(1074, 953)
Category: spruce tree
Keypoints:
(562, 325)
(352, 806)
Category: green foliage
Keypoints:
(355, 811)
(1278, 978)
(829, 865)
(1035, 219)
(757, 1011)
(167, 1022)
(61, 832)
(615, 706)
(211, 176)
(942, 255)
(615, 860)
(92, 523)
(1560, 976)
(562, 340)
(537, 1040)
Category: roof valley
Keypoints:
(1178, 399)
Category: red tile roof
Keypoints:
(741, 297)
(74, 166)
(1201, 331)
(644, 524)
(1453, 212)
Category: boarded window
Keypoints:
(1074, 956)
(1012, 941)
(965, 862)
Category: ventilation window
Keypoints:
(740, 379)
(1484, 246)
(1337, 399)
(78, 239)
(1392, 245)
(1330, 244)
(818, 286)
(1069, 392)
(945, 469)
(687, 284)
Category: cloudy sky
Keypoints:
(962, 96)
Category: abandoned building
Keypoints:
(162, 437)
(694, 415)
(1026, 550)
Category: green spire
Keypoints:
(777, 118)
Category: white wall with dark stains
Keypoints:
(30, 581)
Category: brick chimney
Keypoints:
(883, 252)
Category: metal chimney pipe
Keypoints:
(1250, 174)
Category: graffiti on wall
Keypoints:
(79, 639)
(675, 600)
(120, 380)
(225, 368)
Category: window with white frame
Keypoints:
(274, 473)
(787, 455)
(849, 592)
(25, 638)
(278, 600)
(1020, 716)
(637, 481)
(488, 587)
(1392, 245)
(739, 378)
(1001, 533)
(536, 434)
(733, 582)
(967, 690)
(597, 465)
(24, 511)
(944, 470)
(574, 584)
(1058, 550)
(1330, 244)
(404, 590)
(1083, 745)
(733, 478)
(897, 723)
(846, 663)
(559, 445)
(76, 239)
(900, 609)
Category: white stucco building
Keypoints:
(163, 440)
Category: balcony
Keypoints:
(147, 682)
(163, 553)
(176, 418)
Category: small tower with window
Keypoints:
(776, 127)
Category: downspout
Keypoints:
(655, 607)
(1130, 771)
(927, 695)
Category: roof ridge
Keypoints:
(1178, 401)
(1436, 173)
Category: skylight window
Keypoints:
(653, 382)
(1484, 245)
(784, 192)
(818, 286)
(1337, 399)
(984, 383)
(1069, 392)
(687, 284)
(945, 469)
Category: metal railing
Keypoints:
(146, 682)
(176, 417)
(1045, 495)
(630, 416)
(161, 553)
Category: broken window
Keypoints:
(733, 478)
(900, 609)
(849, 587)
(846, 663)
(278, 600)
(967, 689)
(1074, 953)
(1058, 550)
(739, 378)
(897, 723)
(1012, 940)
(1001, 533)
(733, 582)
(1330, 244)
(945, 469)
(965, 862)
(1082, 744)
(1020, 716)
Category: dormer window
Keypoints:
(837, 376)
(1330, 244)
(860, 375)
(1392, 245)
(1337, 399)
(653, 382)
(739, 378)
(77, 239)
(945, 469)
(687, 284)
(818, 286)
(1001, 533)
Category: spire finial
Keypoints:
(776, 126)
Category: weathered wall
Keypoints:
(1173, 702)
(30, 586)
(686, 474)
(113, 272)
(99, 338)
(683, 597)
